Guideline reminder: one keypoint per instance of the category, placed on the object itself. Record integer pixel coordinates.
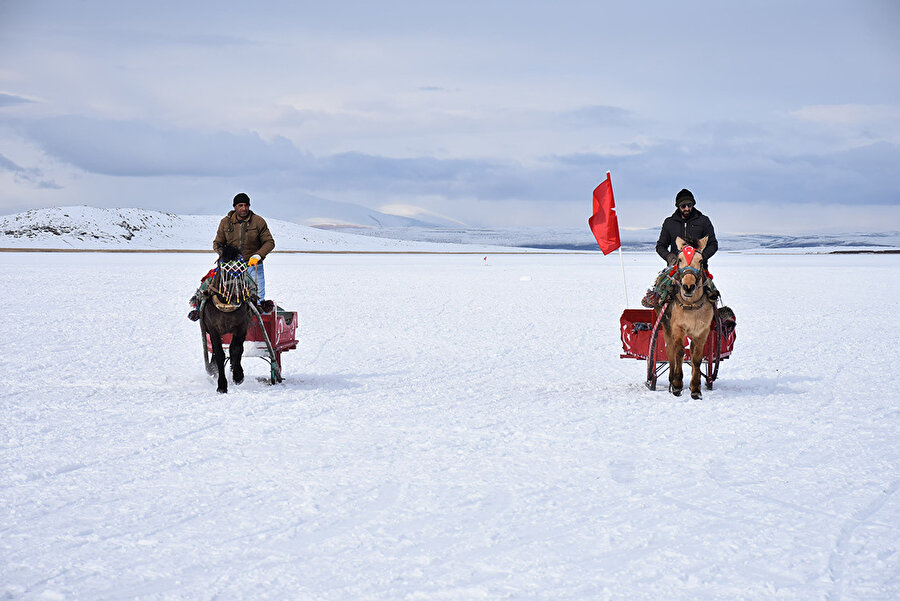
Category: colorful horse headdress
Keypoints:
(233, 281)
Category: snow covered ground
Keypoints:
(450, 428)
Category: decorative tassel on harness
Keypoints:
(231, 285)
(232, 278)
(228, 285)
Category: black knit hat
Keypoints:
(684, 196)
(240, 198)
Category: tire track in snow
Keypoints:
(321, 348)
(838, 559)
(305, 534)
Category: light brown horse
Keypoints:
(690, 315)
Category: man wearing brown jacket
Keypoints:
(248, 232)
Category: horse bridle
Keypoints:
(678, 274)
(689, 269)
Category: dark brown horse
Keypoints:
(226, 311)
(690, 315)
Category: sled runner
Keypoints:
(269, 335)
(642, 339)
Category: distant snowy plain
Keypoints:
(450, 427)
(92, 228)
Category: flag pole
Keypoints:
(622, 261)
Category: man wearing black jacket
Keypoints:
(689, 224)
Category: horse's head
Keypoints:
(690, 273)
(231, 277)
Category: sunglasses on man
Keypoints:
(685, 205)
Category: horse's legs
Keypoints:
(235, 351)
(675, 352)
(696, 358)
(219, 358)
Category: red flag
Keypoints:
(604, 223)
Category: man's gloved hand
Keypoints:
(671, 259)
(254, 260)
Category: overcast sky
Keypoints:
(778, 115)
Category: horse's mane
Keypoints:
(691, 242)
(230, 253)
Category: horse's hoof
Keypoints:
(675, 391)
(697, 395)
(238, 377)
(221, 390)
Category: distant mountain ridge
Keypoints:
(91, 228)
(580, 239)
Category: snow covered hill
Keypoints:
(90, 228)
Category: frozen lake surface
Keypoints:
(449, 428)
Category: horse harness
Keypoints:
(679, 273)
(232, 290)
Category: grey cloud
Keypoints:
(135, 148)
(486, 180)
(744, 167)
(212, 40)
(292, 117)
(863, 175)
(867, 174)
(135, 36)
(422, 175)
(727, 163)
(7, 165)
(30, 175)
(13, 100)
(728, 137)
(598, 115)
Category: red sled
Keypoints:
(642, 339)
(269, 335)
